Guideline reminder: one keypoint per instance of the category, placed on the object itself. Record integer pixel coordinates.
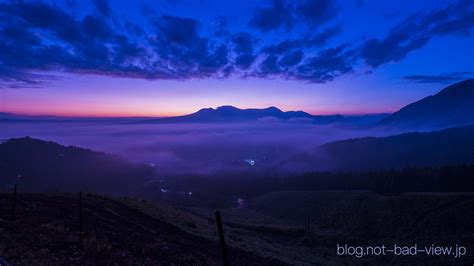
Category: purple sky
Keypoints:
(163, 58)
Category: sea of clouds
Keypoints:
(192, 148)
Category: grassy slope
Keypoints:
(45, 232)
(130, 231)
(274, 223)
(360, 217)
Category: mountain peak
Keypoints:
(227, 108)
(273, 108)
(462, 87)
(452, 106)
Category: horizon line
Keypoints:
(124, 116)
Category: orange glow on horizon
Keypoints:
(98, 114)
(135, 113)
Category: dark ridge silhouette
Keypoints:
(223, 114)
(221, 191)
(233, 114)
(39, 165)
(453, 146)
(452, 106)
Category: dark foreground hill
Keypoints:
(132, 232)
(364, 218)
(45, 232)
(47, 166)
(449, 147)
(356, 218)
(452, 106)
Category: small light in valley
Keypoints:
(240, 203)
(250, 162)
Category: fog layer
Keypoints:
(196, 148)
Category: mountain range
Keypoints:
(452, 106)
(227, 113)
(231, 114)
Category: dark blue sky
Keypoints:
(170, 57)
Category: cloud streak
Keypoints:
(442, 78)
(416, 31)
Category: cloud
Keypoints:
(443, 78)
(221, 25)
(314, 40)
(12, 78)
(96, 28)
(243, 44)
(285, 14)
(269, 65)
(187, 54)
(316, 12)
(291, 59)
(37, 37)
(40, 37)
(215, 61)
(416, 31)
(176, 30)
(281, 47)
(244, 61)
(103, 7)
(322, 37)
(392, 49)
(327, 65)
(270, 18)
(324, 66)
(194, 148)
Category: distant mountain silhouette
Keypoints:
(39, 165)
(449, 147)
(18, 118)
(226, 114)
(25, 118)
(231, 114)
(453, 106)
(222, 114)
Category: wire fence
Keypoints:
(220, 228)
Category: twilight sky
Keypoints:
(161, 58)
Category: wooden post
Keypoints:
(80, 220)
(309, 227)
(308, 230)
(220, 230)
(95, 242)
(14, 203)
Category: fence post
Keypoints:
(220, 230)
(80, 220)
(309, 227)
(308, 232)
(14, 203)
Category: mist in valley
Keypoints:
(205, 149)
